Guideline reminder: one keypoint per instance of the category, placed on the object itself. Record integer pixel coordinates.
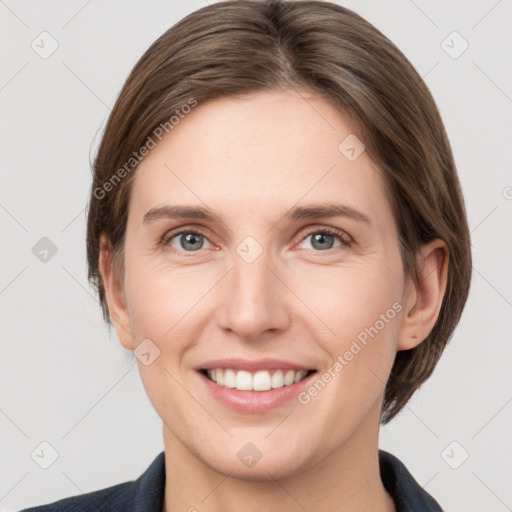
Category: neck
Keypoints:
(348, 479)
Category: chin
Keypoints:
(262, 464)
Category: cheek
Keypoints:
(360, 357)
(162, 301)
(357, 312)
(165, 307)
(351, 298)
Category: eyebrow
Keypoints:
(326, 210)
(297, 213)
(178, 212)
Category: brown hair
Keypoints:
(235, 48)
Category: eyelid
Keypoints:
(344, 237)
(189, 228)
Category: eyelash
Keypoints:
(345, 239)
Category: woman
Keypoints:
(276, 229)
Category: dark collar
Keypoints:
(146, 493)
(407, 494)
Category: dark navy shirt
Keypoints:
(146, 494)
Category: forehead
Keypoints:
(272, 149)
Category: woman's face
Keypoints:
(266, 283)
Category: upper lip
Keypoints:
(252, 365)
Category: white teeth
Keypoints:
(288, 378)
(299, 375)
(262, 380)
(243, 380)
(277, 379)
(229, 379)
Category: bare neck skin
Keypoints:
(348, 479)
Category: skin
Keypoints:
(251, 160)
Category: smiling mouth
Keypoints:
(262, 380)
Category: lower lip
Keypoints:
(254, 401)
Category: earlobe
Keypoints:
(423, 301)
(114, 295)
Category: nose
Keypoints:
(252, 302)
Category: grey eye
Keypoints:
(188, 241)
(322, 241)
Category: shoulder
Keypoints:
(407, 494)
(102, 500)
(144, 494)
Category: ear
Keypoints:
(114, 295)
(423, 299)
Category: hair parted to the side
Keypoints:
(235, 48)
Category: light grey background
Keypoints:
(65, 381)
